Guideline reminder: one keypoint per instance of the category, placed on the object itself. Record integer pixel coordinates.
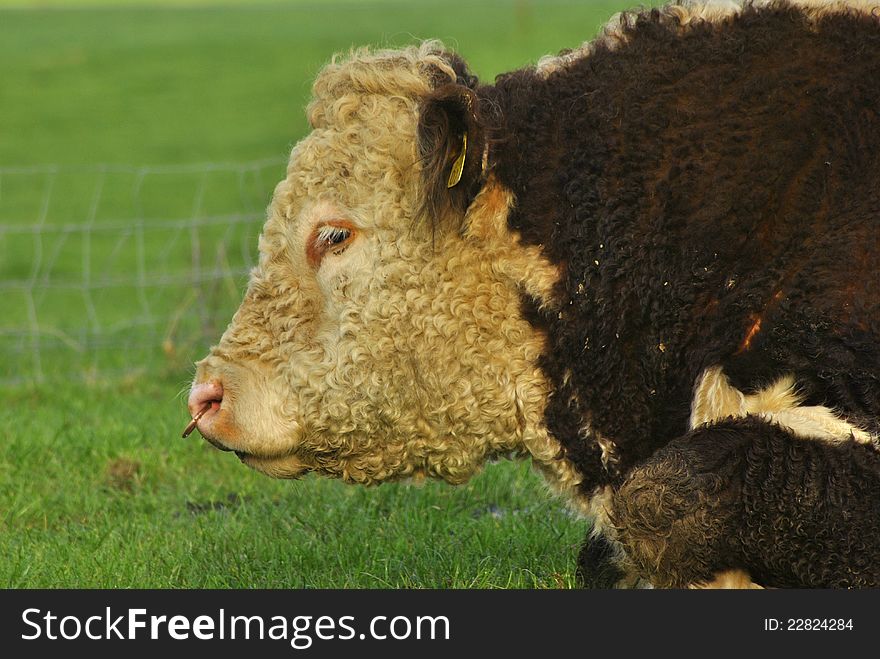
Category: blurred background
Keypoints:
(139, 146)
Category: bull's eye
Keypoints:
(330, 235)
(329, 238)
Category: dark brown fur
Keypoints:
(713, 199)
(599, 564)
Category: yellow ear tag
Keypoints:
(458, 165)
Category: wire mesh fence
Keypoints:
(112, 271)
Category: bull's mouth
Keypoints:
(217, 444)
(215, 425)
(286, 466)
(283, 466)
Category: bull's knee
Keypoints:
(677, 513)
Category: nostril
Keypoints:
(203, 394)
(202, 398)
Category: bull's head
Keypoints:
(381, 335)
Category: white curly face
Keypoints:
(367, 348)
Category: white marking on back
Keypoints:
(715, 398)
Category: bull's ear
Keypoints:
(452, 142)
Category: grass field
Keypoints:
(96, 487)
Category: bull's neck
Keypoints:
(527, 277)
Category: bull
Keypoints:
(648, 264)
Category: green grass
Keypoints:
(98, 490)
(96, 487)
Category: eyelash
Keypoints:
(328, 238)
(329, 235)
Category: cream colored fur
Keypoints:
(729, 580)
(406, 355)
(715, 398)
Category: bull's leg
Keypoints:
(749, 498)
(602, 563)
